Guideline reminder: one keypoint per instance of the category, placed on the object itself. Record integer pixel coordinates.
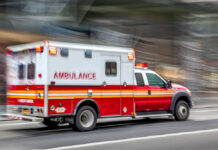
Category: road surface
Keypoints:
(200, 132)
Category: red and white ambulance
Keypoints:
(56, 82)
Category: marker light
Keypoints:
(52, 82)
(39, 49)
(40, 75)
(52, 50)
(131, 56)
(141, 65)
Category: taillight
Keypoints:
(39, 49)
(52, 50)
(131, 56)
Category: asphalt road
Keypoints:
(200, 132)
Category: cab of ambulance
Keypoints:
(151, 90)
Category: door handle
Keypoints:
(149, 92)
(124, 84)
(104, 83)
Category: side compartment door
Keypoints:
(127, 85)
(111, 86)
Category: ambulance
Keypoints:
(56, 82)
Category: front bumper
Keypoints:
(23, 117)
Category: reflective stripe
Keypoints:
(24, 94)
(84, 94)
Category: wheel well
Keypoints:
(91, 104)
(184, 98)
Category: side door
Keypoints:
(141, 99)
(160, 96)
(111, 86)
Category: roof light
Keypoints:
(52, 50)
(46, 43)
(39, 49)
(131, 56)
(9, 52)
(143, 65)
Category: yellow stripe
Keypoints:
(160, 95)
(30, 97)
(25, 91)
(85, 91)
(109, 91)
(69, 91)
(96, 96)
(159, 91)
(108, 96)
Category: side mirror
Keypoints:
(169, 84)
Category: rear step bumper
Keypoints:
(22, 117)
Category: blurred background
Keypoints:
(176, 38)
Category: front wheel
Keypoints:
(85, 119)
(181, 111)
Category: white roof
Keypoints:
(78, 46)
(144, 70)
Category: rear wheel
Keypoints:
(181, 111)
(85, 119)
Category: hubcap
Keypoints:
(183, 111)
(86, 118)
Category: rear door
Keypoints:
(24, 88)
(111, 86)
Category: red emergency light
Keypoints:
(52, 50)
(131, 56)
(143, 65)
(39, 49)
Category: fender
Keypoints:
(176, 96)
(86, 100)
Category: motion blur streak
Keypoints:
(134, 139)
(176, 38)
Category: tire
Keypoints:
(182, 111)
(85, 119)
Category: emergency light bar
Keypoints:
(39, 49)
(143, 65)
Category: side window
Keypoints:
(139, 79)
(111, 68)
(154, 80)
(21, 70)
(31, 71)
